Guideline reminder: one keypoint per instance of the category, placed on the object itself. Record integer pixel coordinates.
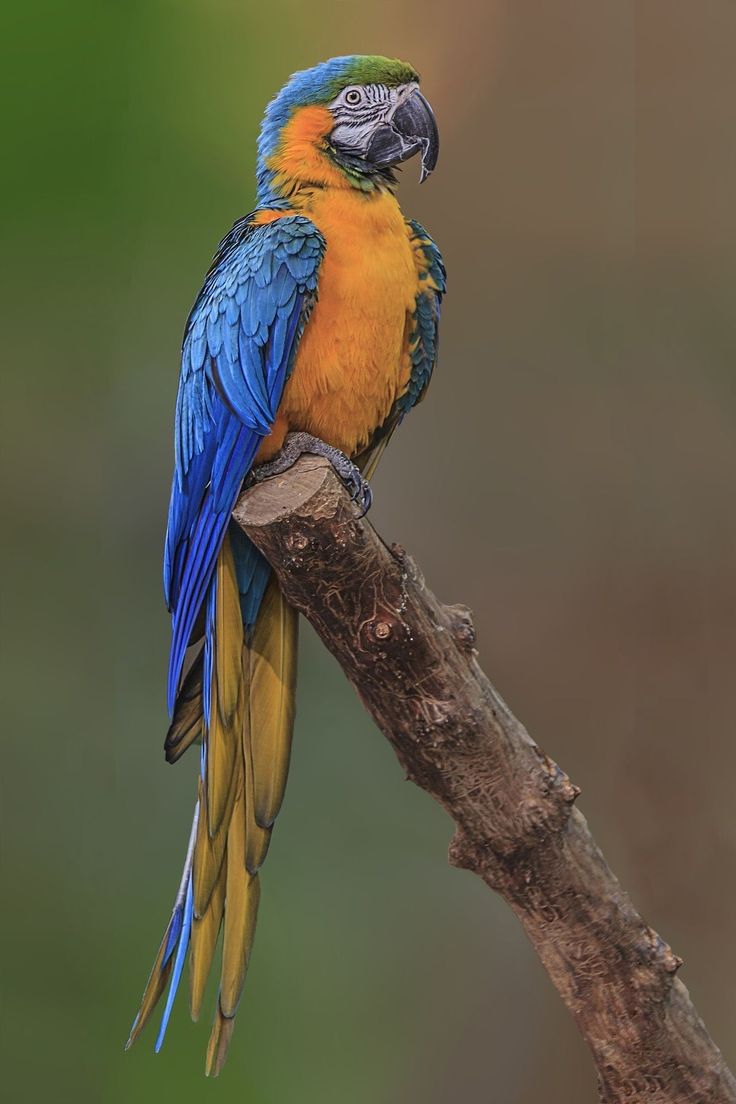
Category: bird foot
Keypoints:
(296, 444)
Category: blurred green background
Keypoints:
(570, 477)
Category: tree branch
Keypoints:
(412, 661)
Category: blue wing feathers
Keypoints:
(238, 349)
(209, 661)
(252, 572)
(233, 458)
(426, 320)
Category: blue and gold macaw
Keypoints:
(316, 331)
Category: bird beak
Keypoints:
(411, 129)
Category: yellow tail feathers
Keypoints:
(272, 656)
(205, 929)
(247, 745)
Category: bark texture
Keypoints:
(413, 663)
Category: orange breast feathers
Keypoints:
(353, 359)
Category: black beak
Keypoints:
(412, 129)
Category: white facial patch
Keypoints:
(360, 108)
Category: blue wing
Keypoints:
(239, 347)
(426, 319)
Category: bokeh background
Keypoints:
(570, 476)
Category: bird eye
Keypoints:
(353, 96)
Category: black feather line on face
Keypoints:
(357, 115)
(363, 171)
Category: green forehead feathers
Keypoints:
(376, 70)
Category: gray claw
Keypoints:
(364, 497)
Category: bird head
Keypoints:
(348, 122)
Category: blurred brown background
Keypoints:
(570, 477)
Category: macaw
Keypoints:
(315, 331)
